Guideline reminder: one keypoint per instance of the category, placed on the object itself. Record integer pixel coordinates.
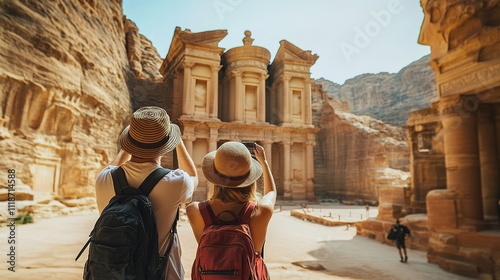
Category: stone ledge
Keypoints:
(320, 220)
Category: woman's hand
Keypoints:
(260, 154)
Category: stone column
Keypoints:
(489, 162)
(462, 160)
(229, 95)
(286, 99)
(310, 195)
(239, 100)
(261, 115)
(214, 100)
(268, 146)
(187, 99)
(212, 141)
(307, 102)
(287, 192)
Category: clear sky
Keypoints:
(351, 37)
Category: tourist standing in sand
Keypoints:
(149, 136)
(401, 232)
(234, 173)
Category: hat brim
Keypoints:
(211, 175)
(174, 137)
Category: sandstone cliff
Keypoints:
(387, 97)
(144, 79)
(64, 97)
(356, 156)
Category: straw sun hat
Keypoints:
(231, 166)
(150, 133)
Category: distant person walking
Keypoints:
(401, 231)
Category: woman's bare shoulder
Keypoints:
(192, 208)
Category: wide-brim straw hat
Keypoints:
(231, 166)
(150, 133)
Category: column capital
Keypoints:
(308, 81)
(267, 142)
(463, 105)
(235, 73)
(310, 142)
(287, 142)
(285, 78)
(188, 64)
(213, 134)
(215, 68)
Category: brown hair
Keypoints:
(232, 195)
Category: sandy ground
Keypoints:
(47, 248)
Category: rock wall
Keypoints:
(144, 79)
(356, 155)
(63, 92)
(373, 95)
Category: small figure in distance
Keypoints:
(401, 232)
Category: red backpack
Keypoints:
(226, 249)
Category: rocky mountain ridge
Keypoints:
(389, 97)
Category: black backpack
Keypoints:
(392, 234)
(124, 241)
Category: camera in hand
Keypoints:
(250, 146)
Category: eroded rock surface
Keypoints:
(389, 97)
(63, 91)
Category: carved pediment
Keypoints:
(206, 38)
(290, 52)
(183, 39)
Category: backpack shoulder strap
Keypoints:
(153, 178)
(209, 217)
(246, 212)
(207, 213)
(119, 179)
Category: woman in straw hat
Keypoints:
(234, 173)
(149, 136)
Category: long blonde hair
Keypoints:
(234, 195)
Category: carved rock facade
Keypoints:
(465, 54)
(238, 95)
(455, 144)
